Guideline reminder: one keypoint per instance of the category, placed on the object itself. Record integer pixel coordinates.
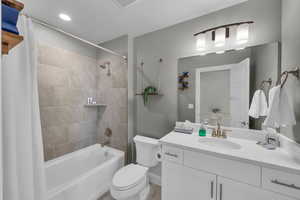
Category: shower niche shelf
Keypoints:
(150, 94)
(10, 40)
(95, 105)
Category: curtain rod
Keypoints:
(38, 21)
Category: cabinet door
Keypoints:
(180, 183)
(231, 190)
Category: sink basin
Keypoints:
(218, 142)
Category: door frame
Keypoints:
(198, 93)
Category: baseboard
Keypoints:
(154, 179)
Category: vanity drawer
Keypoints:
(172, 154)
(243, 172)
(281, 182)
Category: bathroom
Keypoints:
(141, 100)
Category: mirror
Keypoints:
(220, 87)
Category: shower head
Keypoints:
(105, 65)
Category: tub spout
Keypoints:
(107, 142)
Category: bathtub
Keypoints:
(82, 175)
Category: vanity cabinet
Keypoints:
(181, 183)
(189, 175)
(233, 190)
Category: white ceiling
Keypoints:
(103, 20)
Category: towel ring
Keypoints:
(295, 72)
(286, 74)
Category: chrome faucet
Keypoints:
(219, 130)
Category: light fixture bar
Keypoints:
(224, 26)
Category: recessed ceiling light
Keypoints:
(65, 17)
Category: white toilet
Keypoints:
(131, 182)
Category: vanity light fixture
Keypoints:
(201, 42)
(242, 34)
(65, 17)
(220, 38)
(223, 38)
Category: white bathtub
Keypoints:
(82, 175)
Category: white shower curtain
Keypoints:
(23, 160)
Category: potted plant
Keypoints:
(150, 90)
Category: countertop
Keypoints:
(250, 152)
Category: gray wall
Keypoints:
(113, 91)
(265, 64)
(291, 58)
(172, 43)
(190, 64)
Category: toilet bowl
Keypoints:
(132, 182)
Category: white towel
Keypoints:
(259, 105)
(280, 112)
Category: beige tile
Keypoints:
(90, 114)
(66, 79)
(58, 57)
(123, 113)
(54, 116)
(62, 149)
(77, 96)
(120, 135)
(118, 97)
(51, 76)
(87, 142)
(54, 96)
(75, 113)
(49, 152)
(103, 80)
(54, 135)
(50, 56)
(119, 74)
(74, 133)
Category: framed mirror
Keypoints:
(220, 87)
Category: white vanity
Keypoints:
(236, 168)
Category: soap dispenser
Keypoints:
(202, 130)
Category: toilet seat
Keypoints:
(132, 182)
(129, 177)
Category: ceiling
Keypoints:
(103, 20)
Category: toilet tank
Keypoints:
(146, 149)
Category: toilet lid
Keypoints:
(129, 176)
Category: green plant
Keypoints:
(148, 91)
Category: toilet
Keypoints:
(132, 182)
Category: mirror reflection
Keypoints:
(220, 87)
